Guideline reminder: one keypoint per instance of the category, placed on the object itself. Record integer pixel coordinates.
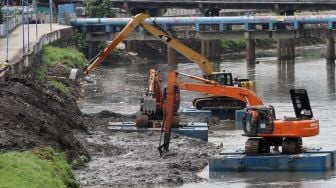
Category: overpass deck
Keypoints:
(279, 5)
(247, 23)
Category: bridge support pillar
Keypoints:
(171, 58)
(211, 48)
(131, 45)
(330, 51)
(286, 49)
(250, 51)
(92, 49)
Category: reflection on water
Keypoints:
(331, 80)
(251, 70)
(285, 75)
(119, 88)
(297, 179)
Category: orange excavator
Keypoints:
(260, 123)
(148, 112)
(151, 104)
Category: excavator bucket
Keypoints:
(301, 104)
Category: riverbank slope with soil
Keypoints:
(35, 114)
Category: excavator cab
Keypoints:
(223, 78)
(264, 130)
(258, 120)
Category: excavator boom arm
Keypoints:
(137, 20)
(192, 55)
(215, 89)
(99, 58)
(238, 93)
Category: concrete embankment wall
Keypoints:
(12, 23)
(25, 63)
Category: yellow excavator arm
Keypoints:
(192, 55)
(165, 37)
(99, 58)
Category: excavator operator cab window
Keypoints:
(224, 78)
(250, 123)
(266, 118)
(257, 121)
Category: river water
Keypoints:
(121, 86)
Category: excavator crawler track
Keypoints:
(141, 120)
(292, 146)
(255, 146)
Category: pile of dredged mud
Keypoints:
(131, 159)
(34, 114)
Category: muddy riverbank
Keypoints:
(35, 114)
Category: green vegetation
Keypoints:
(36, 168)
(80, 41)
(99, 8)
(266, 43)
(40, 74)
(62, 58)
(69, 57)
(238, 45)
(233, 45)
(1, 14)
(59, 85)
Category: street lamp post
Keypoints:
(36, 17)
(7, 30)
(50, 7)
(27, 6)
(23, 33)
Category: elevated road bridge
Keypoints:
(281, 6)
(211, 29)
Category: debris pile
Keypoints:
(34, 114)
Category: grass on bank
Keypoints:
(59, 85)
(69, 57)
(36, 168)
(51, 56)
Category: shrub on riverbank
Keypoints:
(57, 62)
(238, 45)
(69, 57)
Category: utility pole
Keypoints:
(36, 17)
(29, 17)
(7, 29)
(23, 25)
(50, 10)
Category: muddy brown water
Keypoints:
(119, 87)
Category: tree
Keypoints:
(99, 8)
(1, 14)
